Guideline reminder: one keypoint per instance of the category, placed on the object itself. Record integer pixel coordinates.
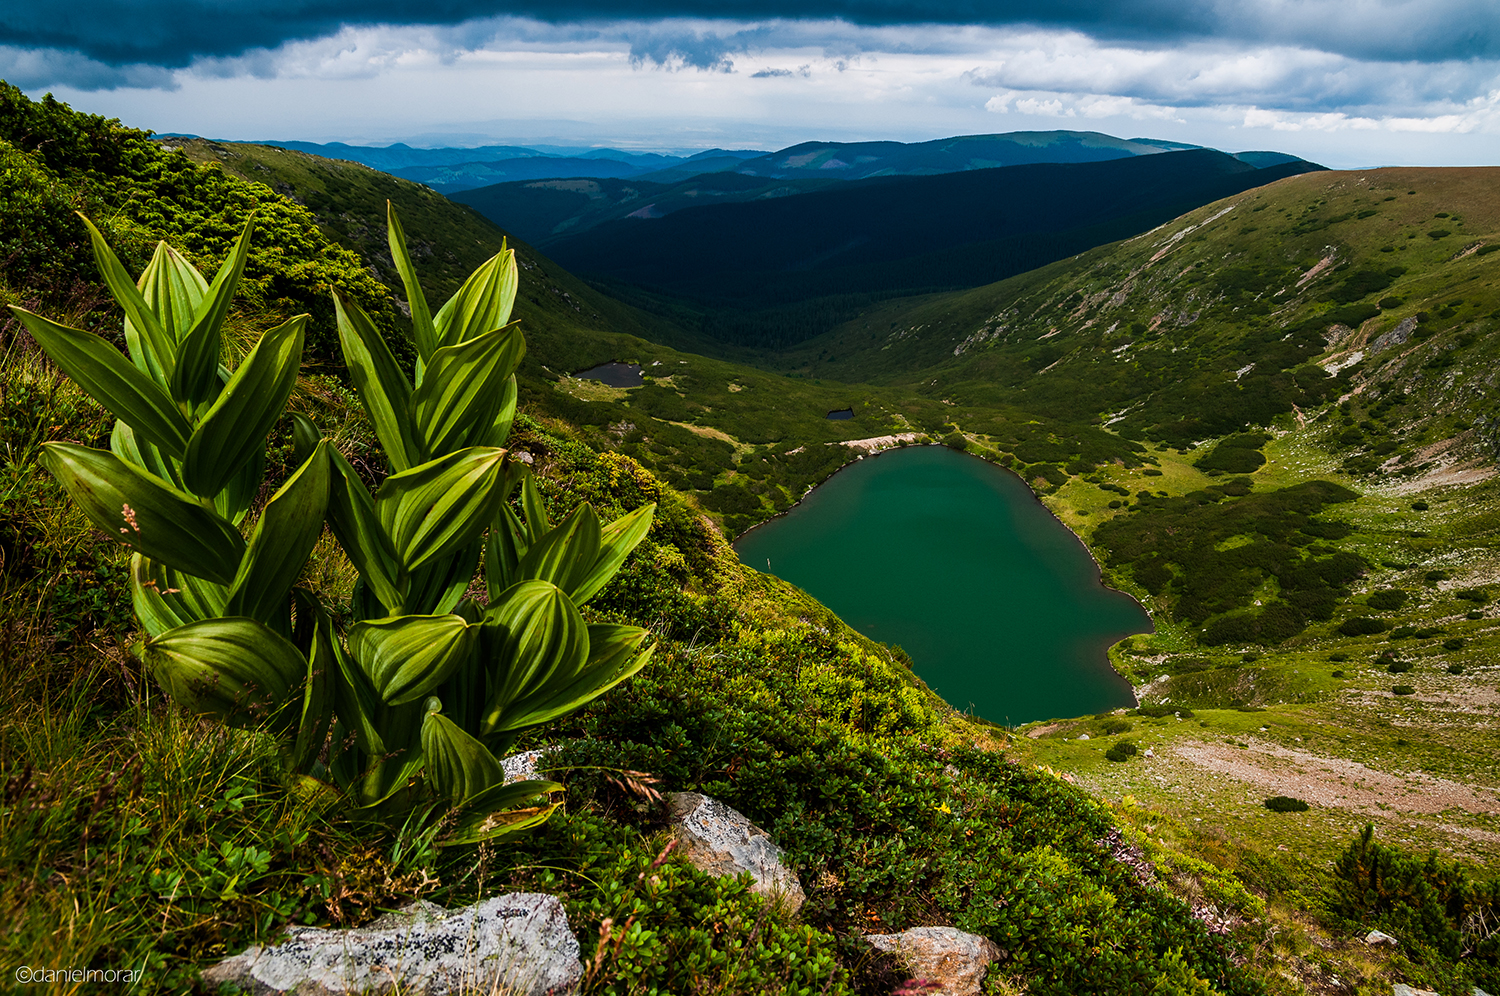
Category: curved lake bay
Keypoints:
(998, 604)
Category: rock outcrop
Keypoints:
(517, 944)
(950, 961)
(721, 841)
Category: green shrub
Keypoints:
(1454, 643)
(1285, 804)
(1431, 904)
(1403, 690)
(1387, 600)
(1162, 711)
(1122, 751)
(1399, 667)
(1455, 669)
(1115, 726)
(1363, 626)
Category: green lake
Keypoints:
(953, 559)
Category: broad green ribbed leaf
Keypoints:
(458, 766)
(614, 655)
(234, 500)
(151, 350)
(441, 506)
(503, 550)
(407, 657)
(421, 317)
(439, 584)
(461, 390)
(501, 811)
(351, 516)
(110, 379)
(538, 522)
(165, 599)
(532, 632)
(305, 437)
(566, 554)
(145, 513)
(173, 289)
(499, 430)
(234, 429)
(358, 706)
(233, 667)
(195, 378)
(396, 775)
(383, 387)
(125, 444)
(483, 303)
(616, 541)
(284, 537)
(317, 690)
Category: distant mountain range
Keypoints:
(449, 170)
(765, 250)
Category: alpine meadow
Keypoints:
(344, 598)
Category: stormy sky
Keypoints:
(1345, 82)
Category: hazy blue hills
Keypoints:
(452, 169)
(773, 271)
(466, 176)
(449, 170)
(857, 160)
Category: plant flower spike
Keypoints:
(414, 703)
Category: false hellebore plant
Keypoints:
(412, 705)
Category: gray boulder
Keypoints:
(953, 960)
(1379, 939)
(1396, 336)
(517, 944)
(721, 841)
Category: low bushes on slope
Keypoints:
(1445, 917)
(1210, 550)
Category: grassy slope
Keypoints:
(1412, 428)
(757, 429)
(138, 837)
(862, 827)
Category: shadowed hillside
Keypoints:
(769, 272)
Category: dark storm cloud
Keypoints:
(175, 32)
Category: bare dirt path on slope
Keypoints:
(1340, 783)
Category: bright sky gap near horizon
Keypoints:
(1348, 83)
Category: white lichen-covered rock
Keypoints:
(522, 767)
(1402, 989)
(516, 944)
(951, 961)
(721, 841)
(1379, 938)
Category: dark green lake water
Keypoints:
(998, 604)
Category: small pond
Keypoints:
(614, 374)
(998, 604)
(842, 413)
